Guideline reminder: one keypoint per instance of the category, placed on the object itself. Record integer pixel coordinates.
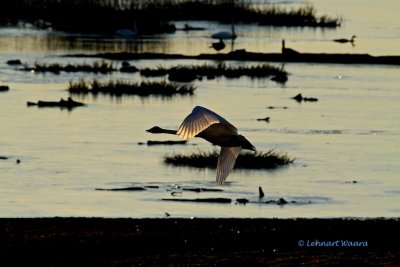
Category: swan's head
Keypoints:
(250, 147)
(245, 144)
(155, 129)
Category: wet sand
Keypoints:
(199, 242)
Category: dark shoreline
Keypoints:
(199, 242)
(242, 55)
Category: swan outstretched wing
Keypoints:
(200, 119)
(226, 161)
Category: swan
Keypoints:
(288, 51)
(210, 126)
(345, 40)
(219, 45)
(225, 35)
(127, 32)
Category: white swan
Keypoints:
(225, 35)
(210, 126)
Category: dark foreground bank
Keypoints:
(199, 242)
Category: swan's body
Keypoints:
(345, 40)
(225, 35)
(288, 51)
(218, 46)
(215, 129)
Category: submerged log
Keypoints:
(300, 98)
(69, 103)
(202, 189)
(201, 200)
(4, 88)
(132, 188)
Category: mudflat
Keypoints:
(199, 242)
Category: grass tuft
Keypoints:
(247, 160)
(205, 70)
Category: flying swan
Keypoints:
(208, 125)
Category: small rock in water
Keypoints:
(281, 201)
(242, 201)
(4, 88)
(14, 62)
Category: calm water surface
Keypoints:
(346, 145)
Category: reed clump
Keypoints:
(246, 160)
(119, 88)
(205, 70)
(303, 16)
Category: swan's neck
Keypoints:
(166, 131)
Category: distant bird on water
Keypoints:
(208, 125)
(288, 51)
(219, 45)
(225, 35)
(343, 40)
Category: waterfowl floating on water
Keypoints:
(288, 51)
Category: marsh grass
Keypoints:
(119, 87)
(259, 71)
(302, 16)
(180, 72)
(106, 16)
(246, 160)
(96, 67)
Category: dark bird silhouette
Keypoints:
(288, 51)
(215, 129)
(343, 40)
(260, 192)
(219, 45)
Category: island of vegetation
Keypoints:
(119, 88)
(247, 160)
(108, 17)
